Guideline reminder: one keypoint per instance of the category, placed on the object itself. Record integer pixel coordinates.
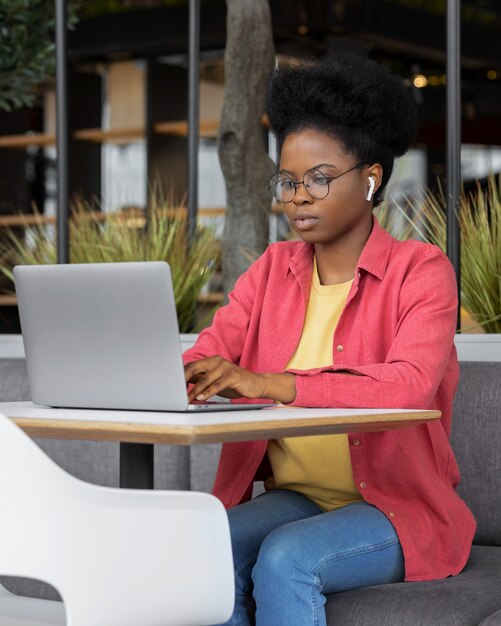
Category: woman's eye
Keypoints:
(286, 183)
(321, 180)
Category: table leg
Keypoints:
(136, 465)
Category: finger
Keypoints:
(220, 381)
(200, 388)
(216, 388)
(194, 369)
(195, 376)
(200, 367)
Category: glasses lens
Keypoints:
(317, 183)
(282, 187)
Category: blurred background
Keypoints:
(128, 77)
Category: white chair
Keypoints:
(118, 557)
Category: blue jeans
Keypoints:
(288, 554)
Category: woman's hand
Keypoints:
(216, 376)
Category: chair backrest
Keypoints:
(24, 611)
(117, 557)
(476, 440)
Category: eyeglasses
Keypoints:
(314, 180)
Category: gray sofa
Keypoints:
(471, 599)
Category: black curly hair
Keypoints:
(355, 100)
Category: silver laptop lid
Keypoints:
(101, 336)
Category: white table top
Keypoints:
(190, 428)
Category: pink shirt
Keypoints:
(396, 333)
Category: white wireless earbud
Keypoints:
(372, 184)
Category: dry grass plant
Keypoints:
(123, 237)
(480, 223)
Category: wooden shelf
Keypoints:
(214, 297)
(208, 128)
(211, 212)
(132, 218)
(179, 128)
(110, 135)
(26, 219)
(29, 219)
(8, 299)
(21, 142)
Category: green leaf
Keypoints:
(480, 223)
(119, 240)
(27, 47)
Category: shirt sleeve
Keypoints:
(227, 334)
(418, 356)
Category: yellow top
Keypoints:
(317, 466)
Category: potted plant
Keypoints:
(27, 51)
(480, 224)
(96, 237)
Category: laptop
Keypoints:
(104, 336)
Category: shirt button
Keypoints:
(363, 484)
(391, 514)
(359, 274)
(340, 348)
(356, 442)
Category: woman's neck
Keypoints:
(337, 262)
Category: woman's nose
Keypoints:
(302, 196)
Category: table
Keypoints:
(138, 431)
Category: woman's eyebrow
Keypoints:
(315, 167)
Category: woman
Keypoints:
(346, 317)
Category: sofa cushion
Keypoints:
(203, 466)
(13, 380)
(463, 600)
(476, 440)
(492, 620)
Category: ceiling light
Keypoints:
(420, 81)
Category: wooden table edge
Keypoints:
(215, 433)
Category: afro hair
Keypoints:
(355, 100)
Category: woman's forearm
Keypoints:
(280, 387)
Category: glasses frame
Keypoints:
(274, 180)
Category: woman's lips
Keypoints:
(305, 221)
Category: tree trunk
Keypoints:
(248, 62)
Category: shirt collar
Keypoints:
(376, 252)
(373, 259)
